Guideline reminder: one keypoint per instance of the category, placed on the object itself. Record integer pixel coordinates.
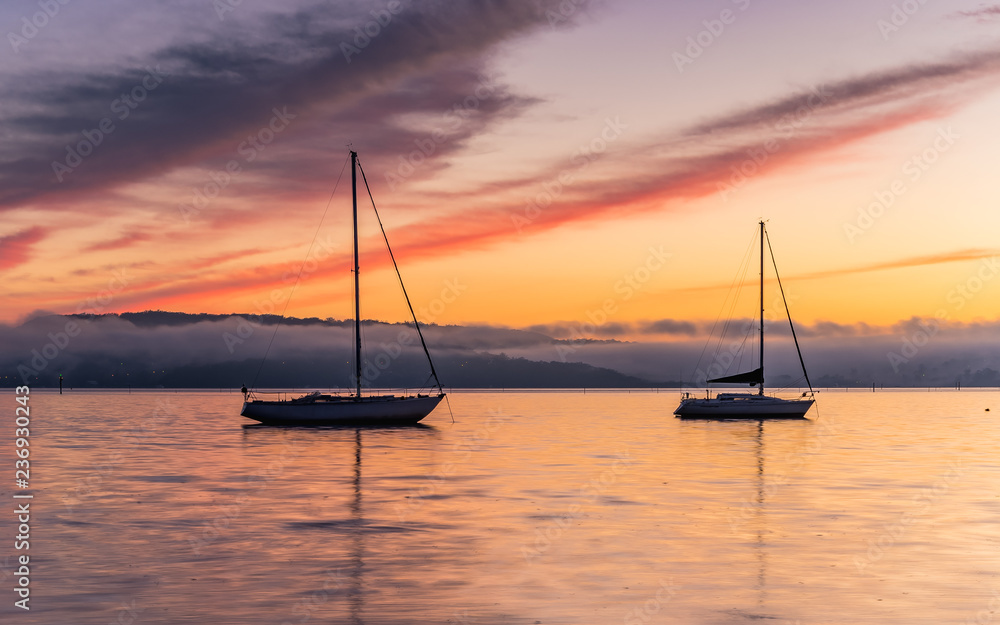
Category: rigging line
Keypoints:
(424, 384)
(400, 277)
(731, 314)
(736, 292)
(787, 312)
(749, 328)
(732, 285)
(448, 402)
(743, 351)
(792, 384)
(298, 277)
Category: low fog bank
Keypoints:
(862, 361)
(174, 349)
(219, 351)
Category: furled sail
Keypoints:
(750, 377)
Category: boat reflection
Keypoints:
(755, 514)
(336, 580)
(356, 594)
(760, 521)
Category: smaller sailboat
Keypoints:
(751, 405)
(317, 409)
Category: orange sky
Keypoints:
(528, 171)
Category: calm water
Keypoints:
(531, 508)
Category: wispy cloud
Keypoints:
(984, 13)
(905, 263)
(900, 263)
(212, 94)
(16, 249)
(216, 91)
(128, 239)
(660, 172)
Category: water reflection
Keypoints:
(193, 518)
(357, 597)
(372, 557)
(741, 438)
(348, 585)
(760, 519)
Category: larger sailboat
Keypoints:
(751, 405)
(355, 409)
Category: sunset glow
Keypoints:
(529, 166)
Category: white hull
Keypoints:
(743, 406)
(339, 410)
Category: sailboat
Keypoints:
(751, 405)
(355, 409)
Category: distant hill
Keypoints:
(468, 371)
(153, 349)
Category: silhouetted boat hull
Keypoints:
(342, 410)
(743, 406)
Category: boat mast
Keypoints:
(357, 295)
(761, 387)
